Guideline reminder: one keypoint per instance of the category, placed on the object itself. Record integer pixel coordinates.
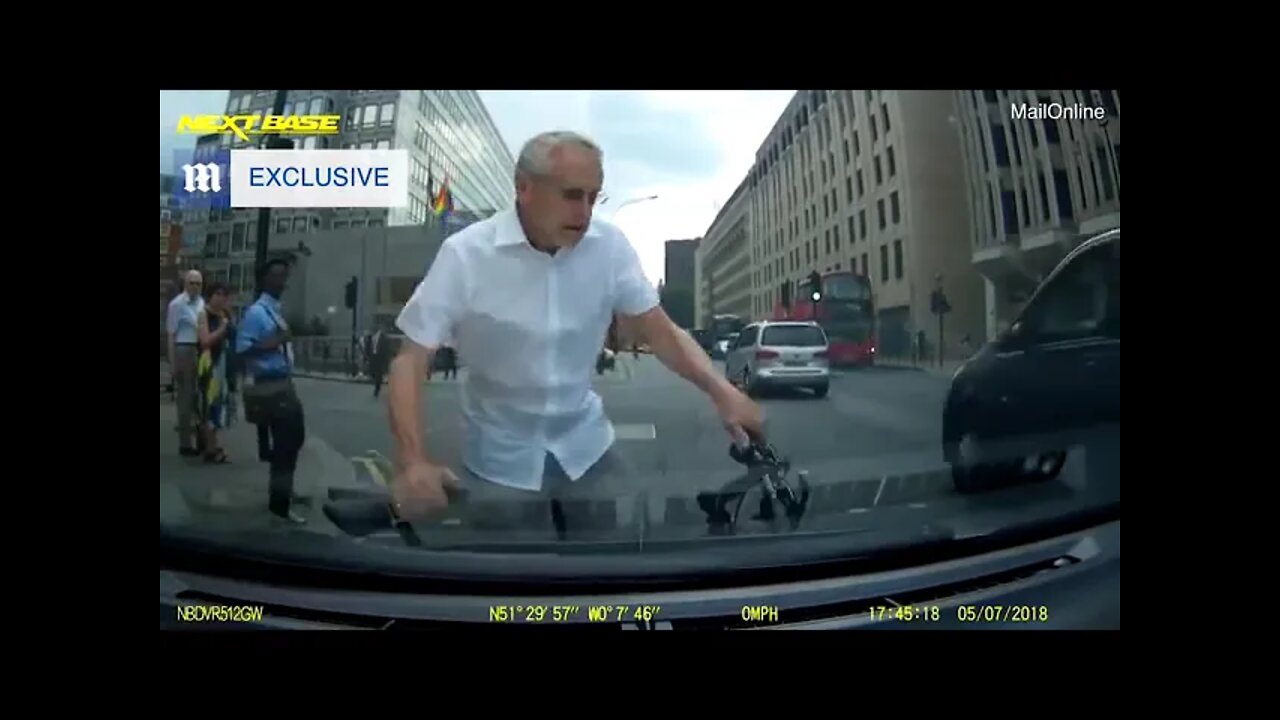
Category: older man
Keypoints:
(527, 296)
(184, 348)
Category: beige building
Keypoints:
(869, 181)
(722, 266)
(1043, 171)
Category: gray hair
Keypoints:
(535, 156)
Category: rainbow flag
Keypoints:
(444, 199)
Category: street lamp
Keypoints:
(628, 202)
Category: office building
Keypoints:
(1043, 173)
(448, 133)
(872, 182)
(677, 289)
(723, 263)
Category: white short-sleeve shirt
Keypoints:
(528, 326)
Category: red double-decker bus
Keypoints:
(845, 312)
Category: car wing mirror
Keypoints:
(1014, 338)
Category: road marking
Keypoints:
(917, 506)
(635, 431)
(852, 511)
(374, 471)
(877, 500)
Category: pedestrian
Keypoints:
(379, 353)
(271, 401)
(182, 326)
(450, 364)
(217, 336)
(552, 280)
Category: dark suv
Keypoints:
(1047, 383)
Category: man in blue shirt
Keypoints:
(263, 342)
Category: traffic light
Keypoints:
(815, 286)
(352, 285)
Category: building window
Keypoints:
(835, 201)
(848, 188)
(1051, 131)
(884, 112)
(861, 191)
(897, 259)
(999, 144)
(807, 260)
(384, 145)
(370, 116)
(317, 106)
(826, 207)
(388, 114)
(1044, 197)
(282, 226)
(893, 207)
(875, 134)
(1104, 171)
(857, 146)
(1084, 195)
(1010, 212)
(1022, 204)
(880, 211)
(237, 237)
(1063, 193)
(853, 236)
(884, 263)
(864, 264)
(835, 233)
(868, 97)
(879, 176)
(828, 234)
(846, 152)
(862, 224)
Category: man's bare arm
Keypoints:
(405, 400)
(676, 349)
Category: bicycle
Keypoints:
(361, 513)
(766, 470)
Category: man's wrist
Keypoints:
(719, 389)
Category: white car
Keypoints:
(780, 354)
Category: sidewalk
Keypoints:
(233, 496)
(947, 369)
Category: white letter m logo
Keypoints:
(204, 177)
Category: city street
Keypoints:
(871, 451)
(875, 421)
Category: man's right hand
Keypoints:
(419, 489)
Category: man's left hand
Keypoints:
(742, 417)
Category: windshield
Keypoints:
(846, 287)
(793, 336)
(351, 305)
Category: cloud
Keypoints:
(691, 148)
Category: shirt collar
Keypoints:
(510, 232)
(270, 302)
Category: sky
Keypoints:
(691, 148)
